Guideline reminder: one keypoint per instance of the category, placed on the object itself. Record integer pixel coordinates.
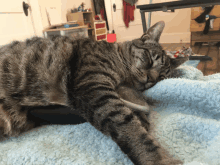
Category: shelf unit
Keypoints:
(100, 30)
(83, 18)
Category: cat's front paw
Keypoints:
(2, 130)
(171, 162)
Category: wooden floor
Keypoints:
(207, 67)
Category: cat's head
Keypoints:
(151, 64)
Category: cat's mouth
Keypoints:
(149, 85)
(144, 83)
(152, 78)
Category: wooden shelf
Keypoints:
(63, 29)
(83, 18)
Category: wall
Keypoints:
(48, 3)
(62, 6)
(117, 22)
(177, 24)
(67, 5)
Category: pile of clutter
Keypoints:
(183, 52)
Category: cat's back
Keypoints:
(34, 67)
(37, 69)
(36, 49)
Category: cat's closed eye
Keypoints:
(161, 77)
(147, 77)
(157, 57)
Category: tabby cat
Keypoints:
(84, 74)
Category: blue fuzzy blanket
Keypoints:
(187, 124)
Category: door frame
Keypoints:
(36, 18)
(109, 13)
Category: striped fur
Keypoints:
(85, 74)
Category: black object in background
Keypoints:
(207, 25)
(201, 18)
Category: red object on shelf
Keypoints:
(101, 37)
(111, 38)
(101, 25)
(97, 17)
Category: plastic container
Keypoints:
(76, 32)
(70, 25)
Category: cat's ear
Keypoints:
(175, 62)
(154, 32)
